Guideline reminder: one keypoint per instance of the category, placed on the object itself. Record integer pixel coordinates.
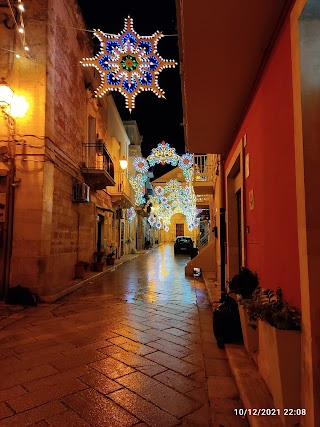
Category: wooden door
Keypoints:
(179, 230)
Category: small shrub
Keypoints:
(244, 283)
(270, 307)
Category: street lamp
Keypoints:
(12, 104)
(123, 163)
(6, 96)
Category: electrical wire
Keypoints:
(19, 142)
(19, 55)
(21, 35)
(44, 138)
(85, 30)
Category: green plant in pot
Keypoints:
(279, 325)
(110, 257)
(98, 255)
(252, 306)
(244, 286)
(80, 268)
(244, 283)
(273, 309)
(98, 262)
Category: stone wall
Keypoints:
(50, 232)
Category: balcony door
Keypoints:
(100, 232)
(92, 137)
(121, 237)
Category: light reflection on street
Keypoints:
(155, 277)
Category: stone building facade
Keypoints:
(141, 229)
(62, 143)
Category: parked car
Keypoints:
(183, 244)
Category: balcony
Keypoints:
(203, 201)
(204, 173)
(97, 167)
(122, 194)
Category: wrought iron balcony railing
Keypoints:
(203, 167)
(122, 192)
(97, 166)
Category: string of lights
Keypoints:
(20, 25)
(23, 142)
(17, 54)
(86, 30)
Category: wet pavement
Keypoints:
(133, 348)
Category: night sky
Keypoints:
(157, 118)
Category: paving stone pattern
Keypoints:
(133, 348)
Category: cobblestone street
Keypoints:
(134, 347)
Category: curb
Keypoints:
(253, 391)
(48, 299)
(252, 388)
(52, 298)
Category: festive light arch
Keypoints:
(131, 214)
(128, 63)
(175, 197)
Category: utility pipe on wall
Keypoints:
(222, 234)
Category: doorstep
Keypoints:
(252, 388)
(212, 285)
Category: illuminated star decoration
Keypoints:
(128, 63)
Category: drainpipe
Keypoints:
(8, 232)
(223, 237)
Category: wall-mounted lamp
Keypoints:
(10, 103)
(123, 163)
(6, 96)
(19, 106)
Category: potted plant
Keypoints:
(244, 285)
(147, 244)
(80, 268)
(279, 356)
(98, 264)
(110, 257)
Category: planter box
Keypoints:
(97, 266)
(279, 362)
(79, 270)
(110, 261)
(250, 335)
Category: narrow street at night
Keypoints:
(134, 347)
(159, 214)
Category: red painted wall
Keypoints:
(272, 242)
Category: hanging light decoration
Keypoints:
(140, 164)
(138, 183)
(163, 154)
(131, 214)
(175, 197)
(128, 63)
